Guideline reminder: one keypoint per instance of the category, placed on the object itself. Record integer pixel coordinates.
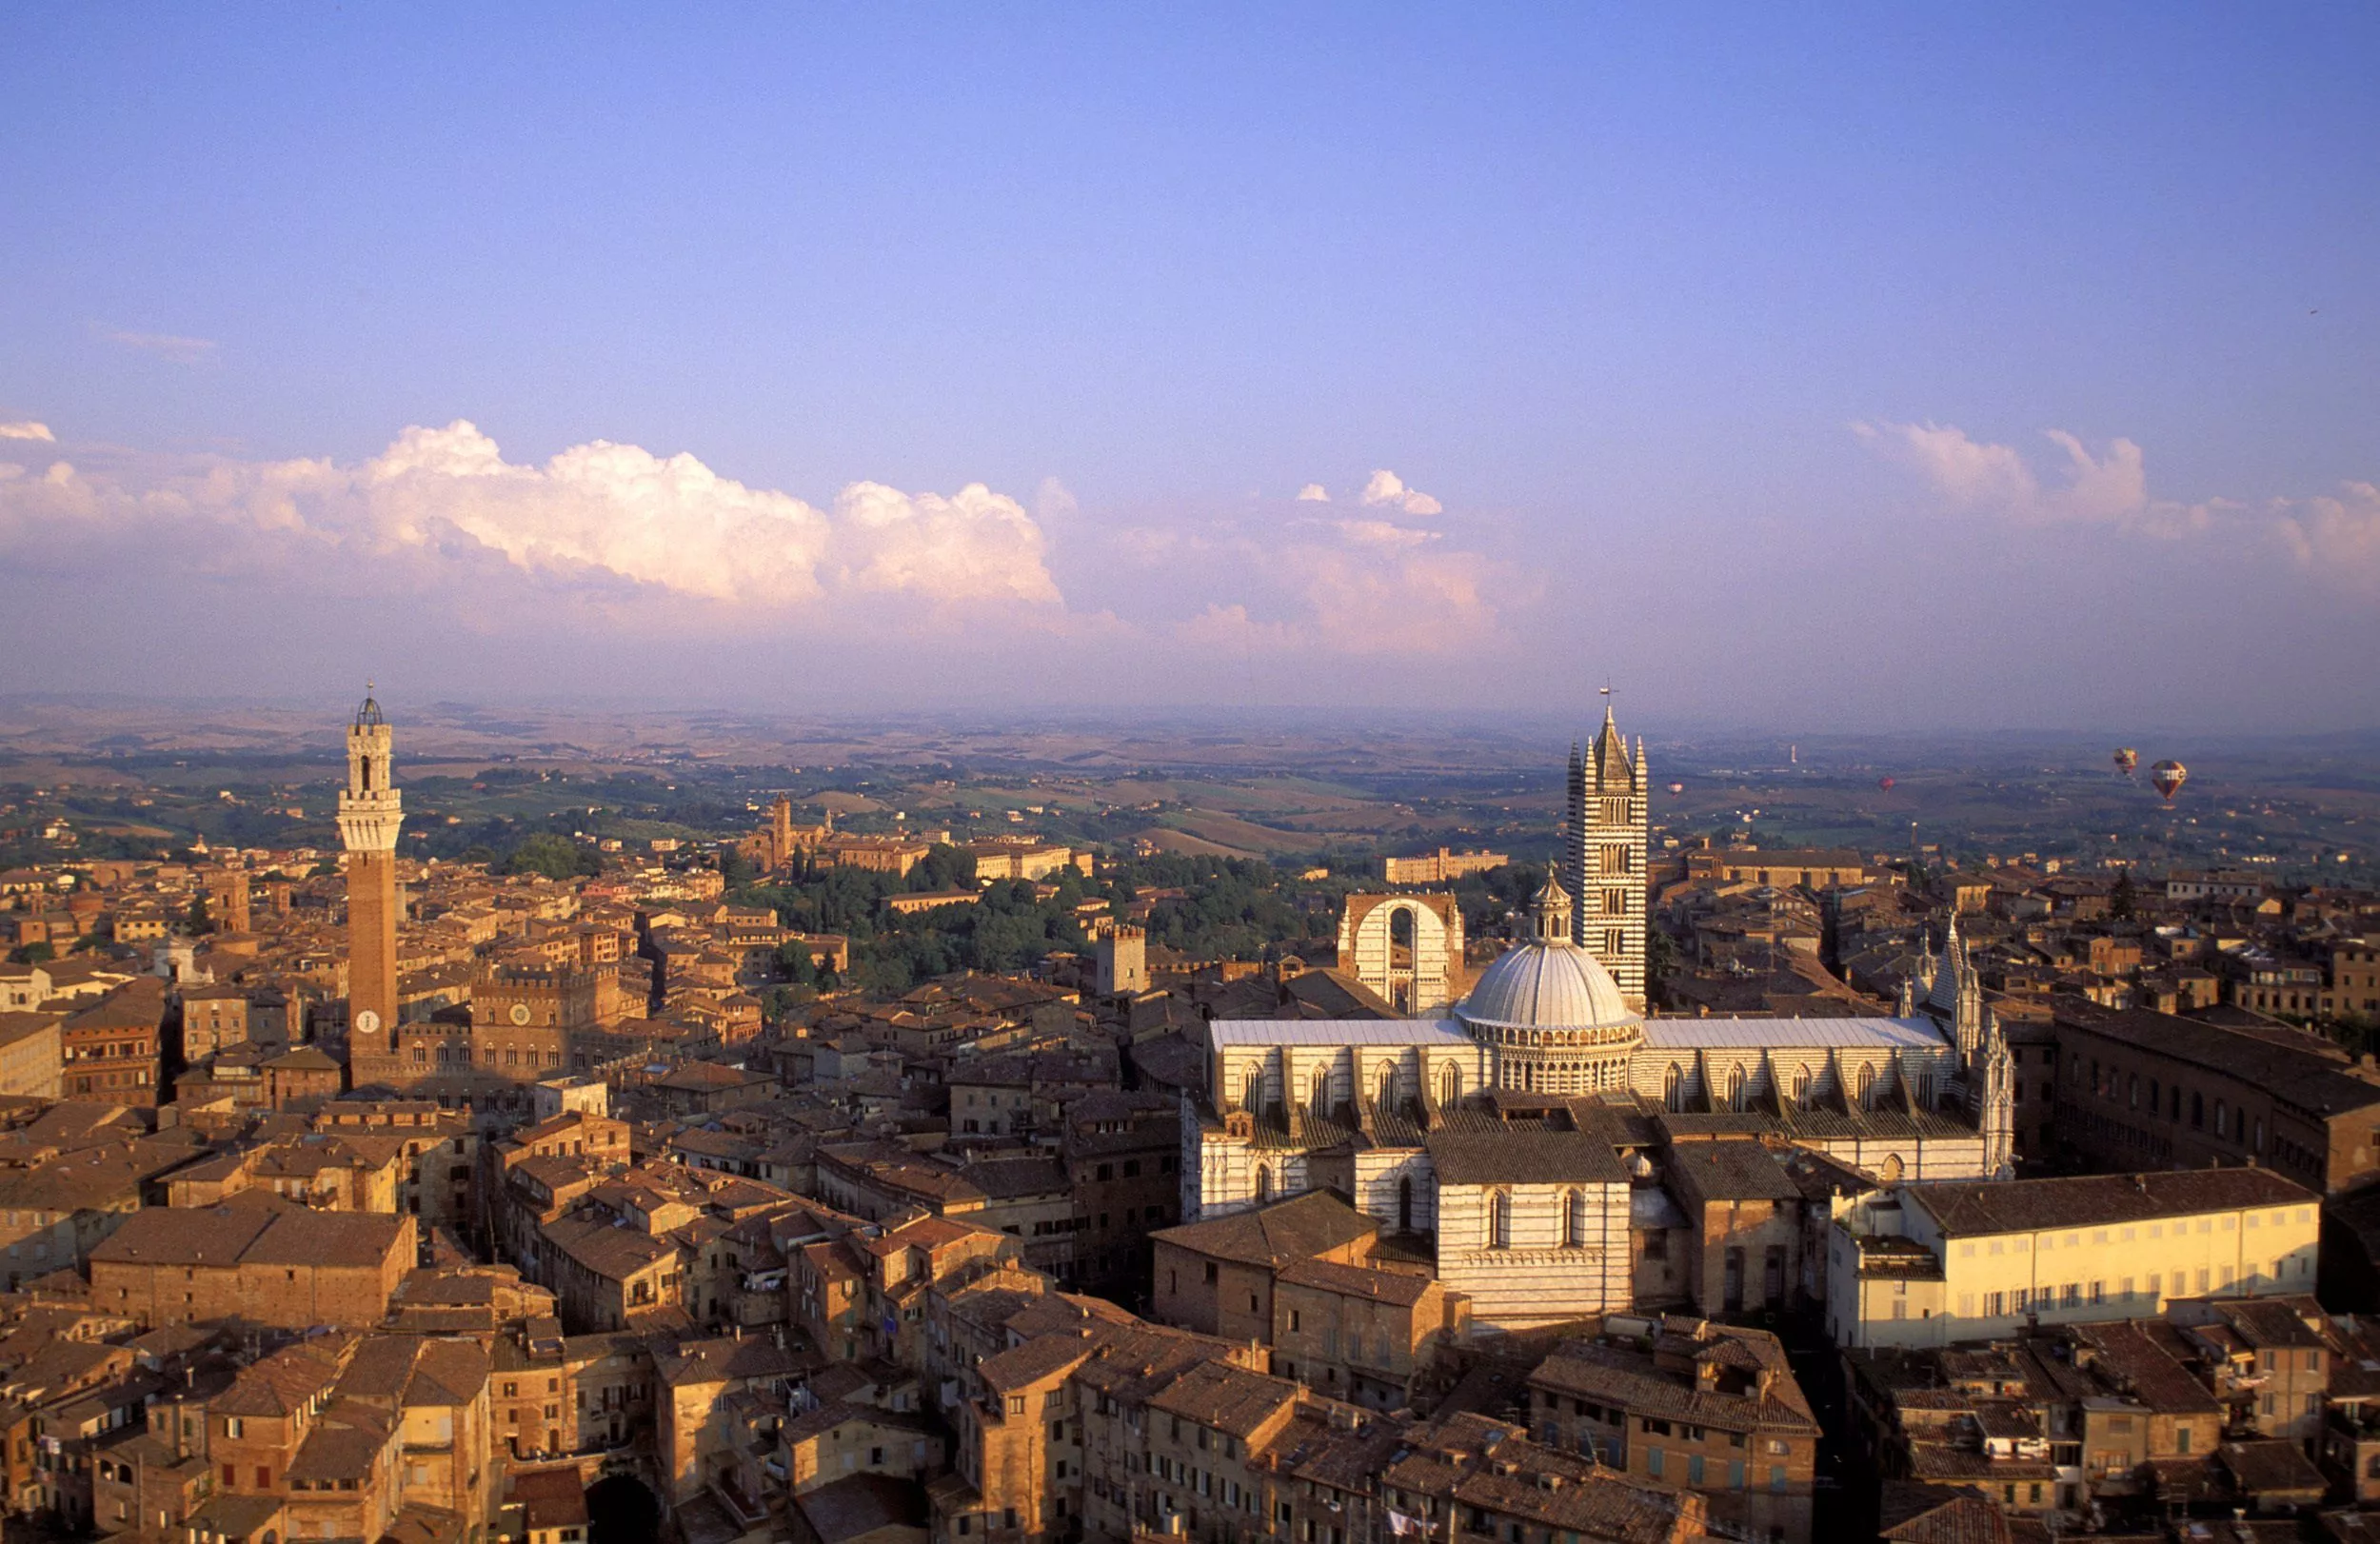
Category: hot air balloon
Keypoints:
(1677, 787)
(1886, 783)
(2125, 760)
(2169, 777)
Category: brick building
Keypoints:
(285, 1266)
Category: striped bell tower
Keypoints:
(1605, 860)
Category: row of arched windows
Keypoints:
(1676, 1087)
(1317, 1088)
(1575, 1220)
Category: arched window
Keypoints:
(2178, 1103)
(1404, 1204)
(1450, 1085)
(2222, 1119)
(1674, 1087)
(1321, 1102)
(1253, 1099)
(1866, 1084)
(1575, 1220)
(1801, 1085)
(1500, 1220)
(1264, 1183)
(1925, 1090)
(2132, 1091)
(1892, 1170)
(1736, 1089)
(2197, 1110)
(1388, 1088)
(2155, 1104)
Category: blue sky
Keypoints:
(1715, 348)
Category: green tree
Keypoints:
(198, 920)
(2123, 900)
(556, 857)
(33, 953)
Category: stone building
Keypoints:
(286, 1266)
(2137, 1089)
(1487, 1130)
(1122, 956)
(111, 1049)
(1688, 1403)
(1407, 948)
(1929, 1265)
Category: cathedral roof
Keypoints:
(1716, 1033)
(1548, 984)
(1271, 1032)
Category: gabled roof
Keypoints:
(1300, 1228)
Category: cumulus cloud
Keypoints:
(2334, 538)
(608, 513)
(1387, 490)
(1368, 586)
(1314, 493)
(2335, 535)
(26, 430)
(165, 346)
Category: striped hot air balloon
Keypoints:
(2169, 776)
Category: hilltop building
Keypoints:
(1494, 1130)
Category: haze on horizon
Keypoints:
(1868, 370)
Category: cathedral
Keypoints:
(1507, 1133)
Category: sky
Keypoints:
(1842, 366)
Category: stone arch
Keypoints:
(1264, 1183)
(1891, 1173)
(1388, 1086)
(1801, 1085)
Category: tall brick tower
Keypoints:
(1608, 837)
(370, 809)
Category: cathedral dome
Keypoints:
(1548, 984)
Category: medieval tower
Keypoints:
(370, 809)
(1608, 839)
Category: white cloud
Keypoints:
(1314, 493)
(26, 430)
(1387, 488)
(164, 345)
(598, 512)
(2338, 536)
(1365, 587)
(2335, 539)
(976, 544)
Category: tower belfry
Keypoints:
(370, 810)
(1605, 856)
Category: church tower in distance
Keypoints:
(1608, 838)
(370, 809)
